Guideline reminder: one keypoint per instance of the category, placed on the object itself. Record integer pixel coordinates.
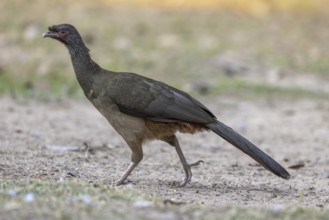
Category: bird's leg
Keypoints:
(126, 173)
(187, 167)
(136, 157)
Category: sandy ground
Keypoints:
(47, 140)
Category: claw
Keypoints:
(187, 167)
(120, 182)
(188, 178)
(122, 179)
(188, 172)
(196, 163)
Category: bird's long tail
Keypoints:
(247, 147)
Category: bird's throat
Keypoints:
(84, 67)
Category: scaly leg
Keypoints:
(136, 157)
(187, 167)
(126, 173)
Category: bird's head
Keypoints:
(65, 33)
(69, 36)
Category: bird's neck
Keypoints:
(84, 67)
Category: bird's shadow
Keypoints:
(224, 187)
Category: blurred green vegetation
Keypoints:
(175, 45)
(35, 199)
(257, 8)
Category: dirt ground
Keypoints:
(47, 140)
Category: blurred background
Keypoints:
(232, 47)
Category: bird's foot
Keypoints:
(122, 179)
(196, 163)
(120, 182)
(188, 172)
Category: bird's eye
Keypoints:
(62, 32)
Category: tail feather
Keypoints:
(247, 147)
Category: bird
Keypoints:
(141, 109)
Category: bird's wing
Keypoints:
(143, 97)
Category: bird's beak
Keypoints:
(50, 34)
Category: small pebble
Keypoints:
(276, 208)
(130, 186)
(12, 192)
(86, 199)
(28, 197)
(142, 204)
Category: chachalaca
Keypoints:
(141, 109)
